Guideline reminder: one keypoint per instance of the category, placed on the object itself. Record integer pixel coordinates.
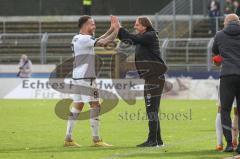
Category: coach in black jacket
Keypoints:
(227, 44)
(150, 67)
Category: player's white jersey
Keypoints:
(84, 57)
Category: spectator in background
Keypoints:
(238, 12)
(87, 4)
(25, 67)
(237, 7)
(214, 13)
(229, 7)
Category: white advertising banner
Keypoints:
(175, 88)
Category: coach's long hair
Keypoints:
(145, 21)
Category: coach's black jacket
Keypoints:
(147, 51)
(227, 44)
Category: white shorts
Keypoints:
(92, 96)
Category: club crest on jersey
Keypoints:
(75, 39)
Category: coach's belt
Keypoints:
(91, 79)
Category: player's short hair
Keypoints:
(145, 21)
(82, 20)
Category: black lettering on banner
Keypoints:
(25, 84)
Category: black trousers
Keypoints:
(152, 93)
(229, 89)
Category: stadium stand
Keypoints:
(181, 53)
(25, 38)
(201, 29)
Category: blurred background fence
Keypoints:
(184, 28)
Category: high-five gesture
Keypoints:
(115, 23)
(111, 34)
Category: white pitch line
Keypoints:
(149, 150)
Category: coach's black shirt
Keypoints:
(147, 48)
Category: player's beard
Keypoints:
(92, 32)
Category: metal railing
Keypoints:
(184, 7)
(14, 58)
(37, 44)
(53, 24)
(185, 54)
(52, 48)
(184, 15)
(186, 26)
(168, 24)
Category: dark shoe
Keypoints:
(147, 144)
(229, 148)
(160, 143)
(150, 144)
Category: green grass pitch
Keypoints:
(30, 129)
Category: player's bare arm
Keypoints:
(111, 34)
(109, 31)
(115, 25)
(107, 40)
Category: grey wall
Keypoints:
(74, 7)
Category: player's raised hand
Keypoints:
(115, 22)
(118, 22)
(112, 22)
